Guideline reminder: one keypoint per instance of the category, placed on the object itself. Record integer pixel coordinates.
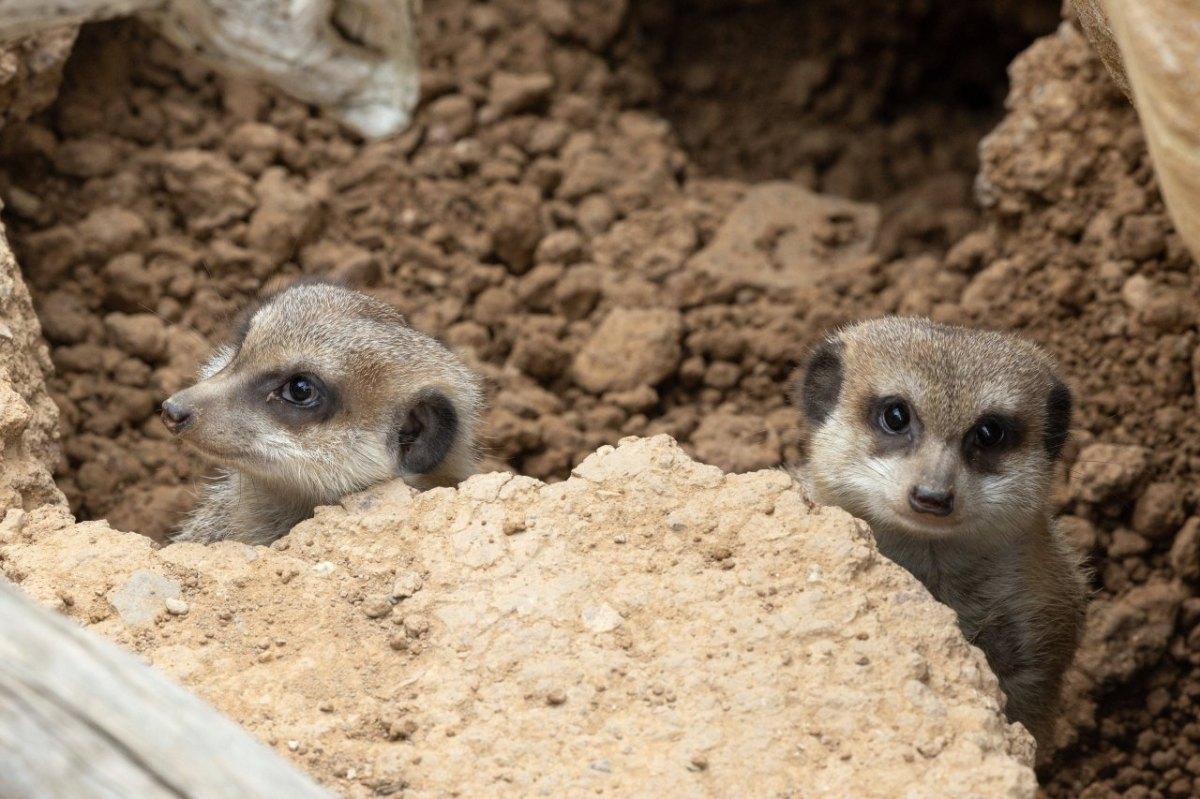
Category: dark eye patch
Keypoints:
(987, 440)
(990, 433)
(302, 391)
(895, 423)
(895, 417)
(267, 388)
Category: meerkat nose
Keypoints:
(175, 417)
(926, 500)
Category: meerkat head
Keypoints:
(324, 391)
(931, 430)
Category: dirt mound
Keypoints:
(628, 630)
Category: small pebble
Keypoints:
(176, 607)
(377, 608)
(406, 585)
(11, 525)
(401, 730)
(416, 626)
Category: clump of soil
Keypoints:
(575, 180)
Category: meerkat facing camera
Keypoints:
(945, 441)
(324, 391)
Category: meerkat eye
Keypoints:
(300, 390)
(895, 416)
(989, 433)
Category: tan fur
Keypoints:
(998, 558)
(276, 472)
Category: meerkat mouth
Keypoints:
(224, 456)
(924, 525)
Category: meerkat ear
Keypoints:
(217, 361)
(1058, 418)
(426, 434)
(814, 388)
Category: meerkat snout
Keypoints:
(175, 417)
(945, 441)
(938, 501)
(324, 391)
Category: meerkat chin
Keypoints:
(945, 441)
(323, 391)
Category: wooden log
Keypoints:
(358, 58)
(1152, 50)
(1160, 45)
(20, 18)
(80, 717)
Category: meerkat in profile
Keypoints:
(944, 440)
(324, 391)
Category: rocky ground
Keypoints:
(582, 175)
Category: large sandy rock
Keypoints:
(651, 626)
(28, 417)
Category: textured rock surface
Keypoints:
(30, 71)
(28, 417)
(650, 625)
